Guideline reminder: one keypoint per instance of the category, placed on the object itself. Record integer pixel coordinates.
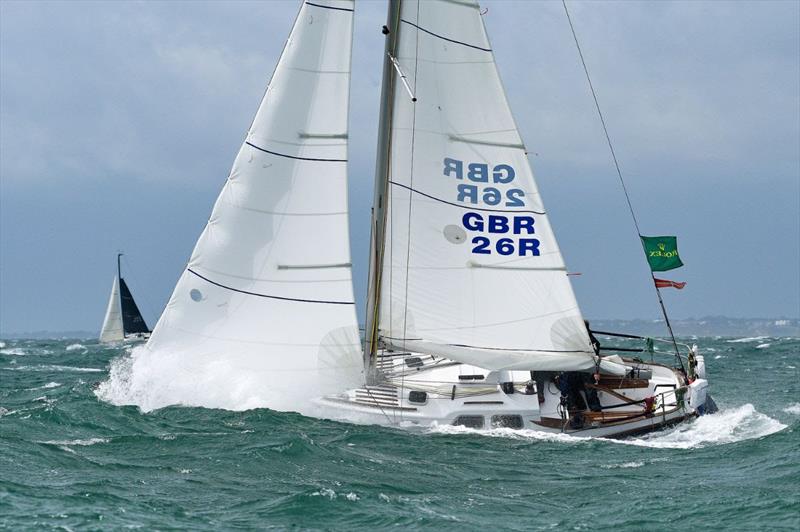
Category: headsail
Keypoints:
(268, 289)
(112, 330)
(469, 257)
(132, 320)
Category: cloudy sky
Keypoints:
(119, 122)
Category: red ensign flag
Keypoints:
(663, 283)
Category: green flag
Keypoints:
(662, 252)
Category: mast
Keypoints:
(119, 269)
(378, 222)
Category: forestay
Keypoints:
(112, 330)
(268, 290)
(470, 260)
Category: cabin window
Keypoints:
(472, 422)
(417, 397)
(510, 422)
(414, 362)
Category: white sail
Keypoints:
(112, 330)
(510, 359)
(470, 259)
(268, 289)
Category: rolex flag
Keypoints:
(662, 252)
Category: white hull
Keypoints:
(136, 338)
(446, 393)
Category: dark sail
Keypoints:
(132, 321)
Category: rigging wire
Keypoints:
(621, 180)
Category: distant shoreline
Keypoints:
(701, 327)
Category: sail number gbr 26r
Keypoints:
(480, 185)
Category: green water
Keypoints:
(69, 460)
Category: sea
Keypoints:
(73, 456)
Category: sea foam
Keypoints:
(747, 340)
(153, 379)
(793, 409)
(726, 426)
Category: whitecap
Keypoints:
(762, 346)
(152, 379)
(76, 347)
(82, 442)
(47, 386)
(793, 409)
(14, 351)
(747, 340)
(325, 492)
(517, 434)
(726, 426)
(56, 368)
(2, 344)
(624, 465)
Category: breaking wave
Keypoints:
(55, 367)
(726, 426)
(152, 379)
(747, 340)
(793, 409)
(14, 351)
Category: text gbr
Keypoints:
(499, 192)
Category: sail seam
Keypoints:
(469, 207)
(473, 264)
(267, 295)
(295, 156)
(446, 38)
(329, 7)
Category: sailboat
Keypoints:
(471, 317)
(123, 321)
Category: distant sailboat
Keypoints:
(471, 317)
(123, 320)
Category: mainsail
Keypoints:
(112, 330)
(468, 263)
(268, 289)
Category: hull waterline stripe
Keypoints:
(329, 7)
(267, 295)
(294, 156)
(446, 38)
(468, 207)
